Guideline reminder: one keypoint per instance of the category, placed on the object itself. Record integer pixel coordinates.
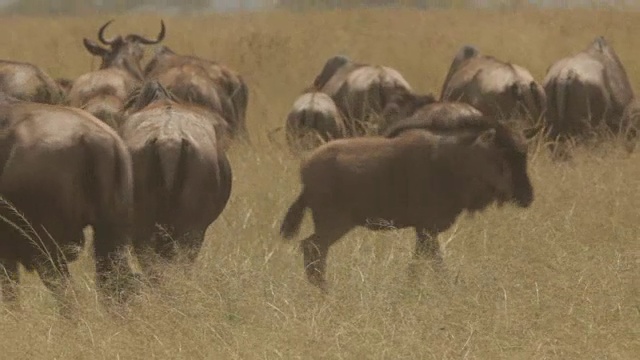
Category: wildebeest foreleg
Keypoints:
(9, 278)
(427, 248)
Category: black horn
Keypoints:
(101, 34)
(146, 41)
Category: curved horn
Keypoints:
(146, 41)
(101, 34)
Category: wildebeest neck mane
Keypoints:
(146, 94)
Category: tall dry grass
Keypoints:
(559, 280)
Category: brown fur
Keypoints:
(119, 74)
(496, 88)
(415, 179)
(28, 82)
(182, 175)
(587, 91)
(203, 82)
(64, 170)
(314, 119)
(360, 91)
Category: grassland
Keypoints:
(560, 280)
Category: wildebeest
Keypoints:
(103, 92)
(360, 91)
(313, 120)
(63, 170)
(182, 177)
(587, 91)
(204, 82)
(498, 89)
(415, 178)
(28, 82)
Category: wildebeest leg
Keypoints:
(315, 260)
(427, 248)
(114, 274)
(316, 248)
(143, 247)
(54, 273)
(9, 278)
(192, 242)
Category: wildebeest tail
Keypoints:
(561, 98)
(170, 160)
(293, 218)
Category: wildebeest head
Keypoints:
(123, 51)
(64, 84)
(464, 53)
(329, 69)
(500, 162)
(404, 103)
(499, 154)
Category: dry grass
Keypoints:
(560, 280)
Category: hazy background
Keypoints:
(180, 7)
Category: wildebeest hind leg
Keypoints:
(316, 248)
(9, 278)
(315, 261)
(55, 275)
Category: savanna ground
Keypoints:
(559, 280)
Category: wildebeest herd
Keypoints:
(139, 153)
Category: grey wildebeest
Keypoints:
(28, 82)
(203, 82)
(182, 177)
(587, 92)
(498, 89)
(360, 91)
(103, 92)
(62, 170)
(415, 178)
(314, 119)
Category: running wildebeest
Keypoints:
(63, 169)
(182, 177)
(204, 82)
(104, 91)
(498, 89)
(360, 91)
(416, 178)
(28, 82)
(587, 92)
(314, 119)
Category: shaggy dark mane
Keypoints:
(147, 93)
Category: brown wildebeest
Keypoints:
(63, 169)
(203, 82)
(182, 177)
(417, 178)
(314, 119)
(360, 91)
(587, 91)
(497, 88)
(103, 92)
(28, 82)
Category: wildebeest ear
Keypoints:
(94, 48)
(486, 138)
